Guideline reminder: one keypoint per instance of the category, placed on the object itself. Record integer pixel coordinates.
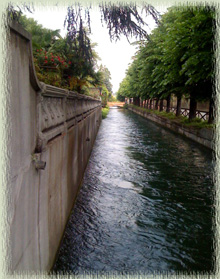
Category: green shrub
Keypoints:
(105, 112)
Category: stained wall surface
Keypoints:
(51, 135)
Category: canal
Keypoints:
(146, 203)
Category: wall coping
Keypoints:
(18, 29)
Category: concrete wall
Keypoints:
(47, 125)
(203, 136)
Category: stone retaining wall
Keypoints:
(51, 134)
(203, 136)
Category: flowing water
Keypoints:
(146, 203)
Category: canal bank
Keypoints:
(203, 136)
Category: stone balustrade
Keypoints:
(60, 109)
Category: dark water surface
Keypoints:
(146, 203)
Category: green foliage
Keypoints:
(42, 38)
(106, 83)
(105, 112)
(121, 19)
(106, 77)
(104, 96)
(120, 97)
(177, 58)
(197, 123)
(112, 98)
(123, 90)
(59, 62)
(168, 115)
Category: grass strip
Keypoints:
(194, 123)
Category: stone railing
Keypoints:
(60, 109)
(202, 111)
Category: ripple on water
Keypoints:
(146, 203)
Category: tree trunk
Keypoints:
(156, 104)
(168, 103)
(146, 101)
(136, 101)
(192, 108)
(178, 106)
(211, 111)
(150, 103)
(161, 105)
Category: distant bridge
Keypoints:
(116, 104)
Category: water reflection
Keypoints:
(145, 204)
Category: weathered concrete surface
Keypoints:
(203, 136)
(57, 127)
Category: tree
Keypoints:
(104, 96)
(106, 78)
(120, 19)
(123, 90)
(177, 58)
(41, 37)
(59, 63)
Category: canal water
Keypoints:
(146, 203)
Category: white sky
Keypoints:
(114, 55)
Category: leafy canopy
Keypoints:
(178, 57)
